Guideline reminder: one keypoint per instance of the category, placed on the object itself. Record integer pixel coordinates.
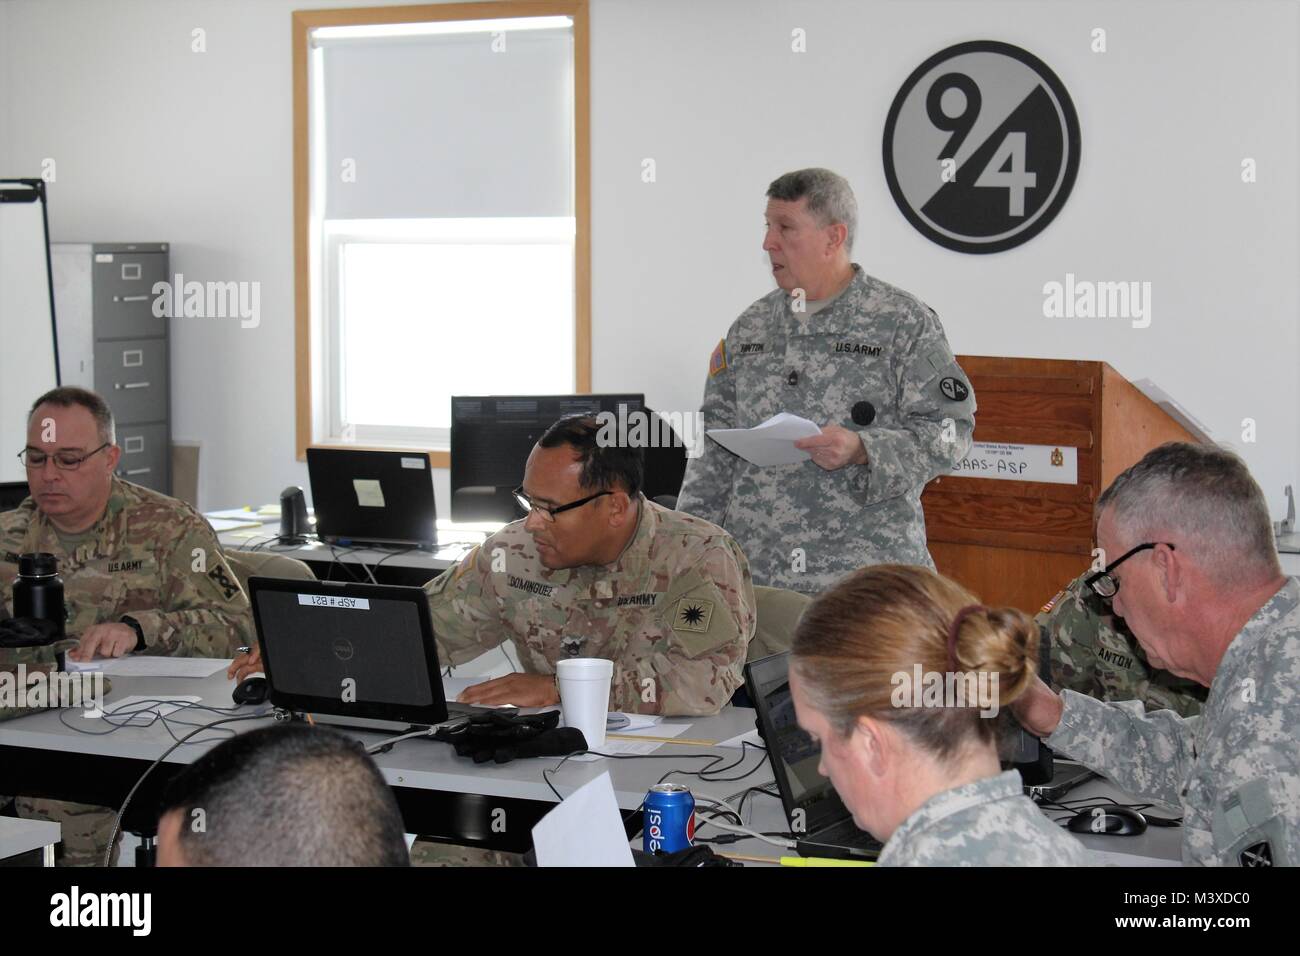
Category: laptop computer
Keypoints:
(362, 655)
(379, 497)
(821, 823)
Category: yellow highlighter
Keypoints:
(821, 861)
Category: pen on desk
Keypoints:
(821, 861)
(664, 740)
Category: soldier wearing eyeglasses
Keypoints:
(594, 569)
(142, 572)
(1193, 571)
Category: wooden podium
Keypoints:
(1017, 542)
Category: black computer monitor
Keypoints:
(492, 436)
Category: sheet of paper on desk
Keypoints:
(642, 726)
(240, 514)
(622, 748)
(585, 829)
(770, 443)
(738, 742)
(149, 665)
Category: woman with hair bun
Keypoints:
(898, 673)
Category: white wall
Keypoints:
(154, 142)
(714, 94)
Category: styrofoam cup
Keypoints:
(584, 695)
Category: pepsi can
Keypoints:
(669, 818)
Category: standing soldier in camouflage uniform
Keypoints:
(142, 572)
(1197, 579)
(920, 773)
(1094, 653)
(829, 339)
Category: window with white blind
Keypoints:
(442, 228)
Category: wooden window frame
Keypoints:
(304, 21)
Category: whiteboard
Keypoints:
(27, 351)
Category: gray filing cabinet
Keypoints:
(111, 341)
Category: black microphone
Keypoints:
(864, 413)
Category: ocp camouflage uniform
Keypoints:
(674, 612)
(1093, 652)
(1235, 768)
(986, 823)
(152, 558)
(21, 664)
(872, 343)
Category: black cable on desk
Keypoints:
(710, 769)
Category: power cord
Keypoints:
(117, 821)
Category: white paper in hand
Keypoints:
(771, 443)
(586, 829)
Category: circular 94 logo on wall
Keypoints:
(981, 147)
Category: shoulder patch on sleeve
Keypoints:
(692, 614)
(718, 360)
(1052, 603)
(466, 563)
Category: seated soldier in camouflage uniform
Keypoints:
(142, 572)
(1094, 653)
(595, 570)
(1193, 568)
(920, 769)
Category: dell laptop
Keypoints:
(821, 823)
(372, 497)
(362, 655)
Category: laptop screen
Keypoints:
(372, 495)
(350, 650)
(793, 755)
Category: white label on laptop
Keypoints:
(334, 600)
(417, 463)
(369, 492)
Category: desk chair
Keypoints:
(266, 564)
(777, 611)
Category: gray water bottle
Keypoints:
(38, 589)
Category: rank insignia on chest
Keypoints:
(572, 645)
(692, 614)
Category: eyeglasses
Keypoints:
(528, 506)
(1106, 586)
(63, 460)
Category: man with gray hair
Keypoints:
(1193, 570)
(866, 361)
(142, 573)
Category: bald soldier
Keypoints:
(142, 572)
(1093, 652)
(865, 361)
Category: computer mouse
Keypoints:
(251, 690)
(1108, 821)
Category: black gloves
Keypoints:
(501, 737)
